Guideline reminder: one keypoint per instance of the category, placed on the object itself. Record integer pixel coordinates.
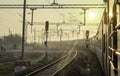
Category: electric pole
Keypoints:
(23, 30)
(34, 35)
(46, 42)
(84, 9)
(79, 28)
(57, 30)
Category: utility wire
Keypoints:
(55, 9)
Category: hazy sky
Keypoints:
(12, 18)
(49, 1)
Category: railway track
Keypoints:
(10, 59)
(53, 68)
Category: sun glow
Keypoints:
(92, 15)
(110, 14)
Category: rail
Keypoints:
(49, 65)
(54, 74)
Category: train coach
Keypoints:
(106, 43)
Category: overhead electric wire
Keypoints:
(55, 9)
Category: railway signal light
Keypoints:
(87, 34)
(46, 26)
(45, 43)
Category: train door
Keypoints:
(118, 35)
(118, 53)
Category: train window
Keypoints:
(118, 23)
(118, 14)
(118, 43)
(118, 36)
(118, 2)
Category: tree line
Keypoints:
(12, 41)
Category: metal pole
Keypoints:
(57, 31)
(32, 9)
(61, 33)
(46, 32)
(23, 30)
(34, 35)
(46, 55)
(84, 9)
(53, 1)
(79, 28)
(32, 14)
(84, 16)
(26, 33)
(32, 17)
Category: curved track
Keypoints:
(53, 68)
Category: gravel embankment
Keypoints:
(85, 60)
